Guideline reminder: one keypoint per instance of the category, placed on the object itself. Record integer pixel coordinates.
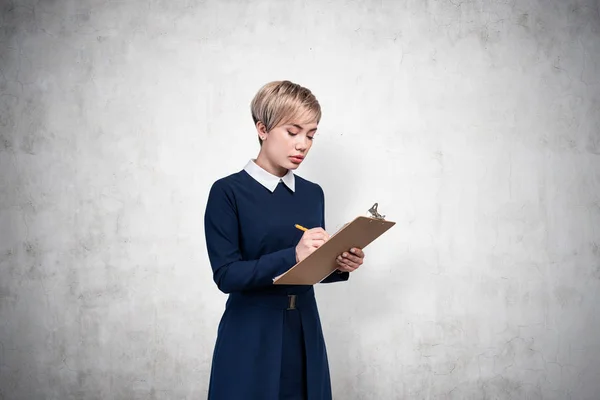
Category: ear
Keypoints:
(262, 130)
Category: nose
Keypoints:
(302, 144)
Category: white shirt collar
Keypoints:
(267, 179)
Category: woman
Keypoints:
(270, 343)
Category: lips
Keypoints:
(296, 159)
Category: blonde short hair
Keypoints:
(281, 102)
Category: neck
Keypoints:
(270, 167)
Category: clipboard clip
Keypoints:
(374, 213)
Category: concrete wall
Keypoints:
(475, 125)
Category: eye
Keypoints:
(292, 134)
(310, 137)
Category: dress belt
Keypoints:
(277, 301)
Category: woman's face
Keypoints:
(286, 146)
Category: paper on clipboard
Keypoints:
(360, 232)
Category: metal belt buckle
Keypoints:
(292, 302)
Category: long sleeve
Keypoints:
(230, 272)
(335, 276)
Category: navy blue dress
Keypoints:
(264, 350)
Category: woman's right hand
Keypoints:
(311, 240)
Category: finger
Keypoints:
(318, 235)
(317, 243)
(345, 268)
(351, 264)
(315, 235)
(318, 232)
(346, 264)
(352, 258)
(358, 252)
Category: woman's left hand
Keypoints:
(351, 260)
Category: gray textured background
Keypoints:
(474, 124)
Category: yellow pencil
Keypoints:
(301, 227)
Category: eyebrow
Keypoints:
(300, 127)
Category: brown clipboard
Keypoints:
(321, 263)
